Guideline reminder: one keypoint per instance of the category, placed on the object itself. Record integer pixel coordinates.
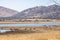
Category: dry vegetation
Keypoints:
(23, 21)
(45, 33)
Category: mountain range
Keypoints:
(6, 12)
(41, 12)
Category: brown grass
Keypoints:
(53, 34)
(33, 36)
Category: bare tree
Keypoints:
(55, 1)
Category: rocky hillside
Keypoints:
(42, 12)
(6, 12)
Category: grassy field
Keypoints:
(48, 34)
(53, 35)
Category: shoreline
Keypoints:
(26, 22)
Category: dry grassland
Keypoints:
(53, 34)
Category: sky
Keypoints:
(21, 5)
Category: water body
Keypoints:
(2, 31)
(9, 25)
(47, 24)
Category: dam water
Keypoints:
(47, 24)
(21, 25)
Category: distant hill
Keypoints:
(6, 12)
(42, 12)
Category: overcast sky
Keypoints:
(20, 5)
